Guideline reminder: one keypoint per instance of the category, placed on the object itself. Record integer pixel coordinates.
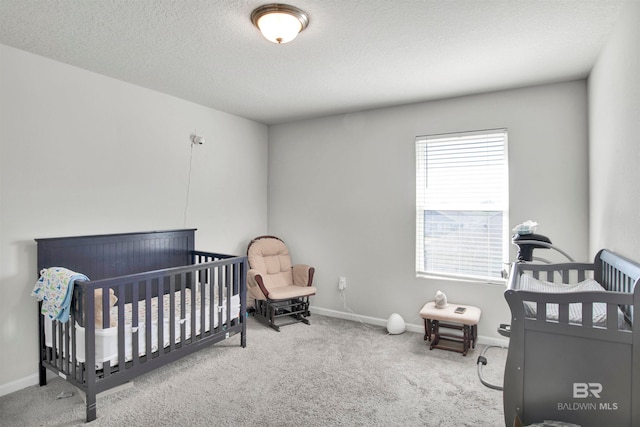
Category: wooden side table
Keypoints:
(436, 318)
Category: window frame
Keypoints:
(421, 205)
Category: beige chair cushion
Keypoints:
(270, 257)
(293, 291)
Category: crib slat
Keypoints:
(161, 302)
(587, 314)
(194, 306)
(212, 298)
(227, 293)
(147, 319)
(183, 311)
(74, 346)
(565, 275)
(220, 297)
(120, 294)
(541, 311)
(172, 312)
(66, 368)
(563, 313)
(202, 290)
(135, 351)
(54, 345)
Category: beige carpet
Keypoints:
(332, 373)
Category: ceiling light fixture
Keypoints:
(279, 23)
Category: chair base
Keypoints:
(268, 311)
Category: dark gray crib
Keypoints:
(159, 270)
(578, 368)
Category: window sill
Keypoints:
(478, 280)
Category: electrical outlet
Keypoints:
(342, 283)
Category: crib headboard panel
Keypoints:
(112, 255)
(615, 272)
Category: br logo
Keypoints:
(584, 390)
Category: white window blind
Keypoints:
(462, 204)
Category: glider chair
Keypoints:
(279, 289)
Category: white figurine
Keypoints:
(441, 300)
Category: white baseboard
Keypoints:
(19, 384)
(348, 316)
(500, 342)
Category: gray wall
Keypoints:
(614, 133)
(81, 153)
(342, 194)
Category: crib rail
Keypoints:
(570, 272)
(213, 286)
(616, 274)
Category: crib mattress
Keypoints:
(106, 339)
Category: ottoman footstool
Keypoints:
(466, 321)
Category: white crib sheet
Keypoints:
(106, 348)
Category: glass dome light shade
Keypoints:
(279, 23)
(279, 27)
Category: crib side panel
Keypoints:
(576, 379)
(163, 328)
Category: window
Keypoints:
(462, 224)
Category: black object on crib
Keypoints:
(526, 243)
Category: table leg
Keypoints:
(474, 335)
(466, 337)
(435, 330)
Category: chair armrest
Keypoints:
(255, 282)
(303, 275)
(251, 278)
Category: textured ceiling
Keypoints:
(355, 54)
